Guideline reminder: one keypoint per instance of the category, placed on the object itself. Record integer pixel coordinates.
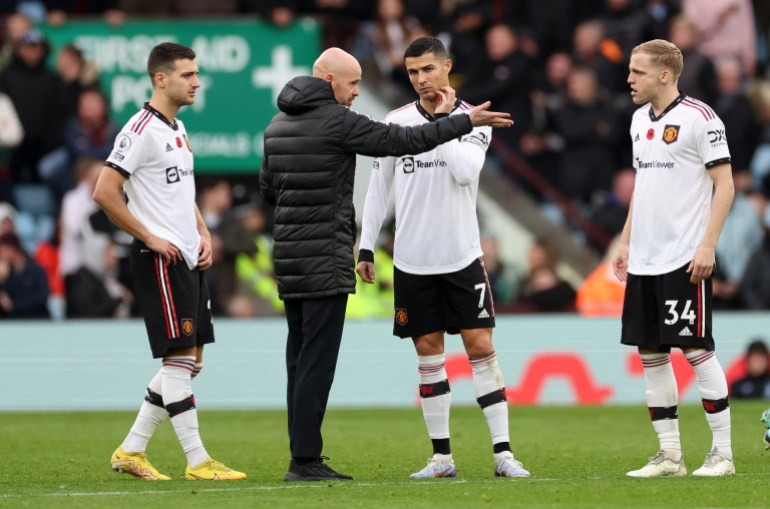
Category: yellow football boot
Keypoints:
(211, 470)
(136, 464)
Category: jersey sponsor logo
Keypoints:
(650, 134)
(646, 165)
(408, 164)
(187, 326)
(169, 148)
(401, 317)
(671, 134)
(123, 144)
(717, 137)
(172, 175)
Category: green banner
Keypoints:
(243, 64)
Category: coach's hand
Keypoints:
(205, 258)
(164, 248)
(480, 116)
(366, 271)
(620, 263)
(702, 265)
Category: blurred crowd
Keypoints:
(558, 66)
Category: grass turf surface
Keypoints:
(577, 455)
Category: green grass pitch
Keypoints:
(577, 456)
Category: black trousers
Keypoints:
(315, 334)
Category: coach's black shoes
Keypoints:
(316, 470)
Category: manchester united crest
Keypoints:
(187, 326)
(670, 133)
(401, 317)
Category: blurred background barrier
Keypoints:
(555, 359)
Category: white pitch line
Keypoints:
(323, 484)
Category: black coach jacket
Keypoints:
(308, 173)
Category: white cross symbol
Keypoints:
(278, 74)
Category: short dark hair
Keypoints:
(424, 45)
(163, 56)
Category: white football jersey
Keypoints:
(436, 227)
(672, 196)
(155, 157)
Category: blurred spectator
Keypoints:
(734, 108)
(612, 210)
(23, 283)
(759, 166)
(502, 277)
(146, 8)
(77, 74)
(281, 13)
(755, 287)
(87, 257)
(728, 28)
(7, 217)
(47, 256)
(628, 24)
(756, 383)
(590, 131)
(698, 77)
(89, 135)
(16, 25)
(591, 49)
(214, 202)
(36, 94)
(504, 80)
(386, 37)
(543, 290)
(602, 293)
(11, 132)
(60, 11)
(741, 236)
(465, 35)
(550, 22)
(206, 8)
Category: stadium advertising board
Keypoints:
(243, 63)
(562, 359)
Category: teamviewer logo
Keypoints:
(172, 175)
(408, 163)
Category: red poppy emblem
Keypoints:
(178, 142)
(650, 134)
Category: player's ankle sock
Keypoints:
(176, 377)
(151, 414)
(713, 391)
(662, 398)
(501, 447)
(435, 395)
(489, 388)
(441, 446)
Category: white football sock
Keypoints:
(662, 399)
(176, 377)
(489, 388)
(713, 391)
(148, 419)
(435, 408)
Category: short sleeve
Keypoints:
(712, 145)
(128, 154)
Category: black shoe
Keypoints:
(315, 471)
